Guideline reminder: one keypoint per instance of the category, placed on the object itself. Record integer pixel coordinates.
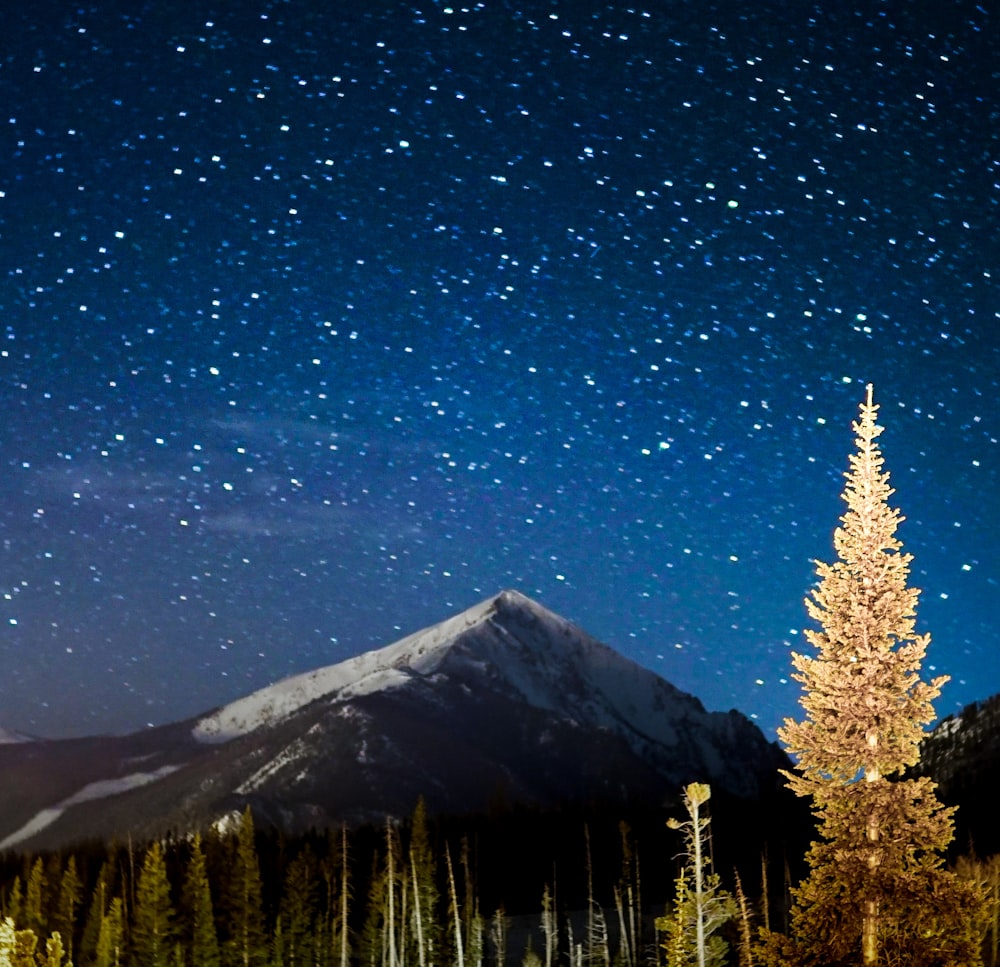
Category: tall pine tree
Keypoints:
(701, 906)
(199, 917)
(70, 895)
(876, 891)
(298, 912)
(246, 940)
(110, 938)
(153, 922)
(425, 935)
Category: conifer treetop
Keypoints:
(864, 700)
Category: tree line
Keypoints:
(400, 896)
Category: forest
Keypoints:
(470, 892)
(415, 893)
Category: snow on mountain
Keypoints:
(9, 737)
(583, 677)
(373, 671)
(93, 790)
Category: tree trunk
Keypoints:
(869, 920)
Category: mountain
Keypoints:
(962, 755)
(504, 703)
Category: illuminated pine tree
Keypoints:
(876, 891)
(55, 953)
(701, 906)
(17, 947)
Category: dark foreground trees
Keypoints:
(876, 892)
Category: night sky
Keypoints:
(324, 321)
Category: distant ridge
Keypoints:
(504, 701)
(962, 755)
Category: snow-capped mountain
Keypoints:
(504, 702)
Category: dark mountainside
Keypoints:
(505, 705)
(962, 754)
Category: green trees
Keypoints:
(876, 886)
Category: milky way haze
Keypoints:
(324, 321)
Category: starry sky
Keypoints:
(323, 321)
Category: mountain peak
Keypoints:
(418, 653)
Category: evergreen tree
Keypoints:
(876, 886)
(70, 896)
(986, 875)
(54, 952)
(297, 912)
(110, 937)
(475, 928)
(336, 937)
(100, 897)
(628, 903)
(499, 928)
(15, 900)
(8, 940)
(701, 906)
(550, 927)
(17, 947)
(196, 901)
(373, 942)
(426, 937)
(32, 911)
(153, 921)
(245, 944)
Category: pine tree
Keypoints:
(701, 906)
(196, 901)
(15, 900)
(372, 942)
(70, 895)
(153, 922)
(297, 911)
(245, 944)
(32, 911)
(99, 897)
(110, 937)
(54, 952)
(550, 927)
(426, 936)
(875, 885)
(628, 902)
(23, 953)
(8, 939)
(336, 933)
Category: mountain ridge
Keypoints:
(503, 701)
